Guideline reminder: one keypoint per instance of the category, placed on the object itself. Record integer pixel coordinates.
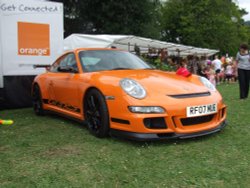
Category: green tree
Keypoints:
(112, 17)
(214, 24)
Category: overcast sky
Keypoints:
(246, 5)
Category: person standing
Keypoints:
(243, 64)
(217, 66)
(229, 73)
(193, 64)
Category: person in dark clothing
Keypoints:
(243, 64)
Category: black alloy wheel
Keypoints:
(37, 101)
(96, 113)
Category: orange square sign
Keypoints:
(33, 39)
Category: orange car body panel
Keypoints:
(71, 88)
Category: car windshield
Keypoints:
(100, 60)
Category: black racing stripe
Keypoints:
(62, 105)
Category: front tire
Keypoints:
(96, 113)
(37, 101)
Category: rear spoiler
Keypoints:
(41, 66)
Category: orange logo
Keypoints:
(33, 39)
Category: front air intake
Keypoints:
(155, 123)
(196, 120)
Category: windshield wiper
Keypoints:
(150, 68)
(121, 68)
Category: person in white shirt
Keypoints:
(217, 66)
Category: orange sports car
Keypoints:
(117, 93)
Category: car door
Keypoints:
(63, 84)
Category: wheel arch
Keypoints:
(37, 99)
(102, 108)
(41, 82)
(33, 85)
(89, 89)
(39, 86)
(85, 94)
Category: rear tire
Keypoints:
(96, 113)
(37, 101)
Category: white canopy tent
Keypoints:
(128, 42)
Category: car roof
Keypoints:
(90, 49)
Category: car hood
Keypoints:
(154, 81)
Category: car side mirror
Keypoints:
(63, 69)
(73, 70)
(67, 69)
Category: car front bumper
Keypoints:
(163, 136)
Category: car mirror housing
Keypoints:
(67, 69)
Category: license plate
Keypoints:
(206, 109)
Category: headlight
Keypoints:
(207, 83)
(133, 88)
(146, 109)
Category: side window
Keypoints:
(54, 66)
(63, 62)
(71, 61)
(66, 63)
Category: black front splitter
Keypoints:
(163, 136)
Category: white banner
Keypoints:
(31, 32)
(29, 7)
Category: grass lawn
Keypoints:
(53, 152)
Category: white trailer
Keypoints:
(31, 32)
